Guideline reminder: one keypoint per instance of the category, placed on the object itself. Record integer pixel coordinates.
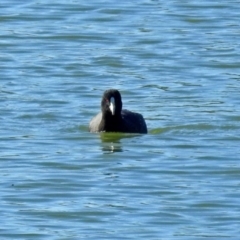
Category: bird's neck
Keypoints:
(110, 123)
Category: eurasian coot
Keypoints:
(113, 119)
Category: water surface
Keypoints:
(175, 62)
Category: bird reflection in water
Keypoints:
(111, 142)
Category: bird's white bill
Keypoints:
(112, 105)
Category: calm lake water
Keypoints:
(177, 63)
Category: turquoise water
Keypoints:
(177, 63)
